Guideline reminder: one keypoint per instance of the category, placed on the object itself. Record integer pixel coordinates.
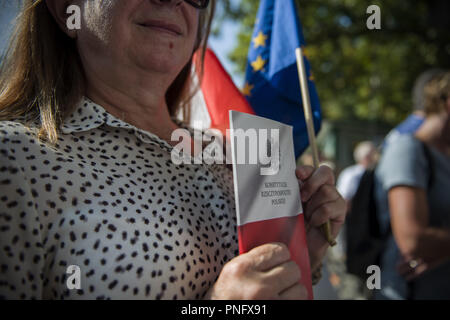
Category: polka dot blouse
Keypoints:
(109, 200)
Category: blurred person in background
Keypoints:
(412, 200)
(413, 122)
(349, 286)
(365, 155)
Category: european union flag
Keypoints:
(272, 86)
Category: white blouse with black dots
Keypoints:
(108, 199)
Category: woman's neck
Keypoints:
(434, 133)
(141, 107)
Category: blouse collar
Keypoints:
(89, 115)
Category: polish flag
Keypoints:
(211, 106)
(217, 95)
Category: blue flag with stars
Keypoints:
(272, 85)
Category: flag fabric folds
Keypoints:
(272, 86)
(217, 96)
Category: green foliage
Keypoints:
(361, 73)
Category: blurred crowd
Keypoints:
(398, 206)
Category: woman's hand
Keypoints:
(321, 203)
(264, 273)
(423, 247)
(410, 268)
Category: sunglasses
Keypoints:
(199, 4)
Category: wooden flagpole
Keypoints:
(326, 228)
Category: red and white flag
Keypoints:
(217, 95)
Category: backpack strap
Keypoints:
(430, 162)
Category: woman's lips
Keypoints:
(162, 26)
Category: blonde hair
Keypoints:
(436, 93)
(42, 77)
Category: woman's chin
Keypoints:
(158, 65)
(166, 62)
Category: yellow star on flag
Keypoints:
(258, 64)
(311, 77)
(305, 52)
(260, 40)
(247, 90)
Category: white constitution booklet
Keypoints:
(263, 168)
(267, 194)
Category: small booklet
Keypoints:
(267, 193)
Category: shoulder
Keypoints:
(405, 149)
(354, 169)
(16, 130)
(348, 180)
(18, 140)
(8, 126)
(351, 172)
(410, 125)
(20, 223)
(404, 163)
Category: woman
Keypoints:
(414, 175)
(99, 189)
